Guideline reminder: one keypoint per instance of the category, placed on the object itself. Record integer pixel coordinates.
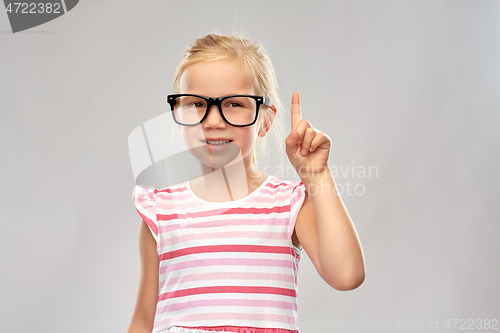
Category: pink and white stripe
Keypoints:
(225, 266)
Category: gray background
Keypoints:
(409, 87)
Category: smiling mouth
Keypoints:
(216, 143)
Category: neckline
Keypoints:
(190, 191)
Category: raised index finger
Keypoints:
(296, 115)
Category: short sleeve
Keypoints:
(297, 199)
(145, 199)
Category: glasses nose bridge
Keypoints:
(214, 102)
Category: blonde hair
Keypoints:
(216, 47)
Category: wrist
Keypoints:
(318, 176)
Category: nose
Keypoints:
(214, 118)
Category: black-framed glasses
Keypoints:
(236, 110)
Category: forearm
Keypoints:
(142, 320)
(339, 249)
(136, 328)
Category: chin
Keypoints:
(217, 157)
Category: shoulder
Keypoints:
(147, 197)
(292, 192)
(149, 193)
(284, 185)
(142, 193)
(174, 189)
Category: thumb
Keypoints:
(291, 144)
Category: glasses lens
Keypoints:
(239, 110)
(189, 110)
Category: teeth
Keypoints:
(217, 142)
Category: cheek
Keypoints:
(250, 136)
(190, 136)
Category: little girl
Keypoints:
(220, 253)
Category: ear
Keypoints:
(267, 123)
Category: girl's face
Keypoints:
(217, 79)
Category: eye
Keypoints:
(238, 102)
(234, 104)
(196, 104)
(191, 101)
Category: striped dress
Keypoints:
(225, 266)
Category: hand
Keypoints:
(306, 147)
